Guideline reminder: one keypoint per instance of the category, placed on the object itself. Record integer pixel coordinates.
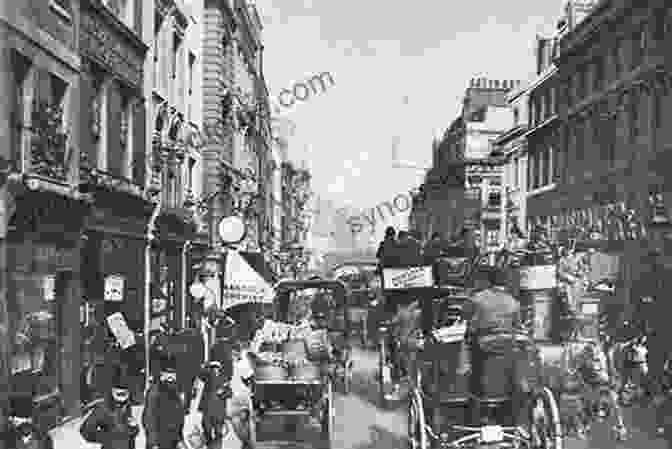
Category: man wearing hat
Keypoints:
(163, 415)
(112, 423)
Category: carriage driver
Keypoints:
(495, 316)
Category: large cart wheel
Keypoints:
(328, 416)
(546, 427)
(417, 433)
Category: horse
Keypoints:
(630, 367)
(589, 392)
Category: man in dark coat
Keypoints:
(163, 415)
(216, 392)
(387, 250)
(496, 368)
(434, 247)
(112, 423)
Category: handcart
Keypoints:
(443, 410)
(292, 386)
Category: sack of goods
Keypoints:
(318, 345)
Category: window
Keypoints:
(616, 57)
(157, 34)
(633, 107)
(121, 9)
(638, 48)
(190, 174)
(598, 74)
(547, 108)
(516, 116)
(175, 52)
(579, 137)
(125, 136)
(192, 62)
(658, 110)
(516, 175)
(21, 66)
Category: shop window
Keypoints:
(638, 48)
(35, 314)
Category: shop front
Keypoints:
(44, 290)
(113, 272)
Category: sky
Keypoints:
(400, 71)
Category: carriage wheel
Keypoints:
(328, 416)
(546, 427)
(417, 434)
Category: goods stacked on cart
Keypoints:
(284, 351)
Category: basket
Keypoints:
(306, 371)
(266, 372)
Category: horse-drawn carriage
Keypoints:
(448, 405)
(294, 372)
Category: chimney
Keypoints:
(484, 82)
(471, 83)
(496, 82)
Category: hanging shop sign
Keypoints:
(114, 288)
(242, 283)
(121, 331)
(395, 278)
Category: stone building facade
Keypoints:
(614, 79)
(43, 210)
(464, 186)
(512, 148)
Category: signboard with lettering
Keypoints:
(114, 288)
(396, 278)
(121, 331)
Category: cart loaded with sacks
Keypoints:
(452, 405)
(299, 354)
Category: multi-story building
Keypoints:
(463, 169)
(43, 211)
(544, 159)
(237, 127)
(511, 146)
(113, 172)
(614, 80)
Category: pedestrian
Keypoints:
(163, 415)
(494, 317)
(387, 250)
(216, 393)
(111, 423)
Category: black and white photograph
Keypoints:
(310, 224)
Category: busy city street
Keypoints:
(276, 224)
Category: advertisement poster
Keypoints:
(114, 288)
(121, 331)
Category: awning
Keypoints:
(257, 261)
(242, 283)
